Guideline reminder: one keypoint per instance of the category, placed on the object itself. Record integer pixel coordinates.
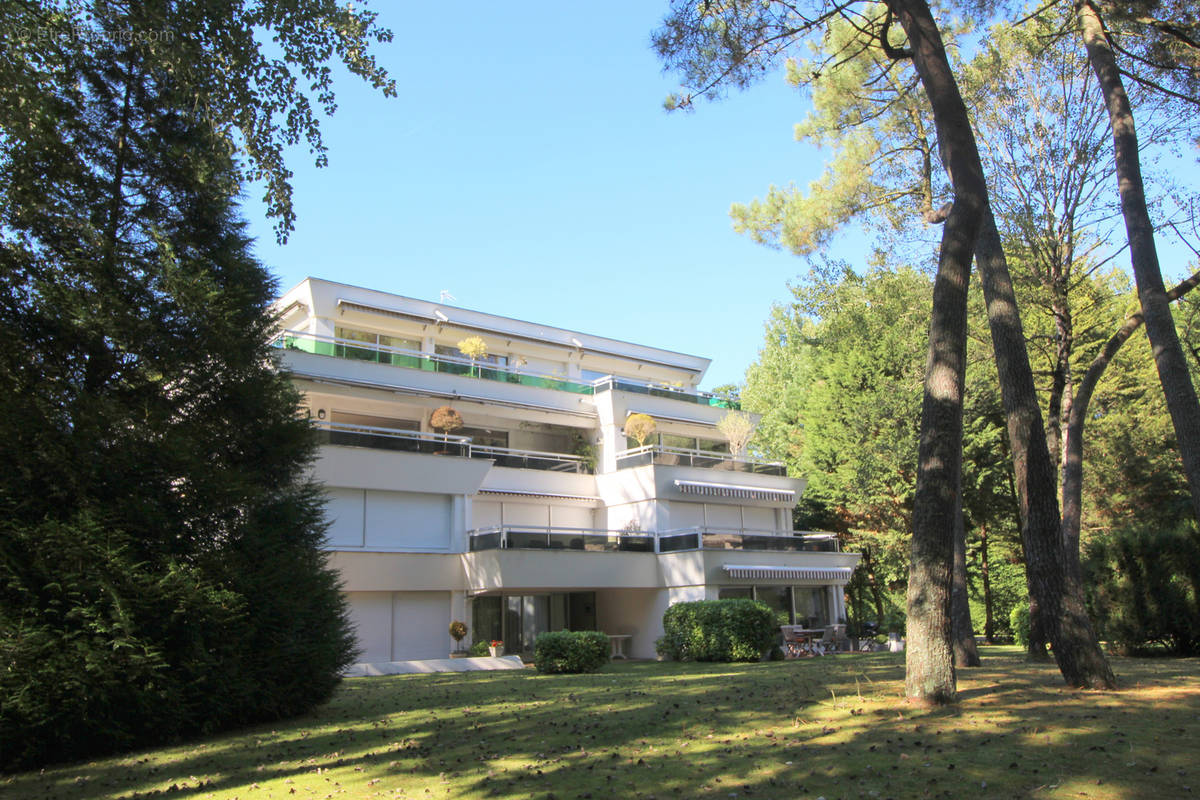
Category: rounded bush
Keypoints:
(570, 651)
(717, 630)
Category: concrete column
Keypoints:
(321, 326)
(459, 517)
(460, 610)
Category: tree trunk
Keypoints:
(965, 652)
(1156, 309)
(929, 676)
(989, 619)
(873, 582)
(1054, 610)
(1073, 465)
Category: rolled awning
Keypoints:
(816, 574)
(735, 491)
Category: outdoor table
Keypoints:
(617, 643)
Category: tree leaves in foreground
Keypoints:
(160, 570)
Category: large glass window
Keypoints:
(371, 341)
(735, 593)
(517, 620)
(491, 359)
(778, 599)
(485, 437)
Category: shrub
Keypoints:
(570, 651)
(1018, 621)
(1144, 587)
(717, 630)
(479, 649)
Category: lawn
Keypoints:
(835, 727)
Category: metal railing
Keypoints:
(532, 537)
(322, 345)
(662, 455)
(417, 442)
(661, 390)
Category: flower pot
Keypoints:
(496, 651)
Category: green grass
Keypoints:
(833, 727)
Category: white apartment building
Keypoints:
(539, 513)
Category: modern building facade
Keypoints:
(538, 513)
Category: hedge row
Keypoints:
(717, 630)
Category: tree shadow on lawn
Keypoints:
(836, 727)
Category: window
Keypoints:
(491, 359)
(736, 593)
(371, 343)
(484, 436)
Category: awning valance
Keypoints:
(736, 491)
(839, 575)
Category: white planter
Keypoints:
(496, 651)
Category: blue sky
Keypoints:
(529, 168)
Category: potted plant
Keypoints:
(445, 420)
(474, 348)
(640, 427)
(458, 630)
(496, 648)
(738, 428)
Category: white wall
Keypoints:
(381, 520)
(635, 612)
(400, 626)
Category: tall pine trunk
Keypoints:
(1056, 601)
(930, 676)
(965, 652)
(1156, 309)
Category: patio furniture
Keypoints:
(798, 641)
(617, 643)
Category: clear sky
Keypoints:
(529, 168)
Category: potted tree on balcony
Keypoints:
(474, 348)
(640, 427)
(458, 631)
(737, 428)
(445, 420)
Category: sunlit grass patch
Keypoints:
(833, 727)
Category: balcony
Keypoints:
(322, 345)
(427, 362)
(416, 442)
(529, 537)
(661, 455)
(670, 392)
(600, 541)
(738, 539)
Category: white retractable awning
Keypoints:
(818, 574)
(736, 491)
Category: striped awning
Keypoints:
(818, 574)
(551, 495)
(736, 491)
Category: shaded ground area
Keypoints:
(835, 727)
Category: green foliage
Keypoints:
(473, 347)
(570, 651)
(479, 649)
(1018, 622)
(717, 630)
(1144, 588)
(160, 564)
(446, 420)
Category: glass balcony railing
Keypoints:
(416, 442)
(737, 539)
(589, 540)
(451, 365)
(682, 457)
(600, 541)
(428, 362)
(671, 392)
